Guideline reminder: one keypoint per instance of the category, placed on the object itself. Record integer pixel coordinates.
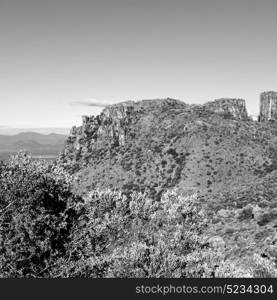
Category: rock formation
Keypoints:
(229, 106)
(111, 128)
(268, 106)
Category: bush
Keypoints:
(36, 216)
(263, 267)
(120, 236)
(47, 231)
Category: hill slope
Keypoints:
(214, 150)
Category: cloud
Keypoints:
(92, 102)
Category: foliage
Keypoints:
(36, 216)
(136, 237)
(263, 267)
(48, 231)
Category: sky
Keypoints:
(56, 56)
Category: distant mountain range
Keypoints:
(40, 145)
(6, 130)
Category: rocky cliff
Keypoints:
(112, 127)
(229, 106)
(268, 106)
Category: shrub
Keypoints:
(36, 216)
(47, 231)
(134, 236)
(263, 267)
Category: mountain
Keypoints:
(52, 138)
(40, 145)
(6, 130)
(214, 150)
(156, 144)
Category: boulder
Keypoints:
(216, 242)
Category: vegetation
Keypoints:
(159, 189)
(48, 231)
(36, 216)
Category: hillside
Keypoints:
(154, 145)
(213, 150)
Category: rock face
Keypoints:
(109, 129)
(229, 106)
(268, 106)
